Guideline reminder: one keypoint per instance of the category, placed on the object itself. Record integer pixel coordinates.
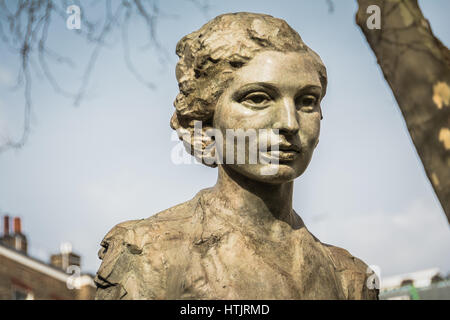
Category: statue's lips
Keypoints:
(281, 155)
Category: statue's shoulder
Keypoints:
(139, 232)
(124, 245)
(353, 273)
(344, 260)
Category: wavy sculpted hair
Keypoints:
(207, 55)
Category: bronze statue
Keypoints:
(240, 239)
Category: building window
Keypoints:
(407, 282)
(19, 293)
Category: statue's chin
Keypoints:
(269, 173)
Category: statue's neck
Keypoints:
(256, 201)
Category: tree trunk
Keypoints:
(416, 66)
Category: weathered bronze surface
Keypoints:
(240, 239)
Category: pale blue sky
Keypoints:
(85, 169)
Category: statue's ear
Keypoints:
(199, 143)
(209, 154)
(317, 142)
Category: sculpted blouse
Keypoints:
(192, 251)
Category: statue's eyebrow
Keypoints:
(310, 87)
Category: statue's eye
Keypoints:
(306, 103)
(256, 99)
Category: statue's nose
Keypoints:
(286, 117)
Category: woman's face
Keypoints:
(274, 100)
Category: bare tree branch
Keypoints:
(24, 29)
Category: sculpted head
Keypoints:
(250, 72)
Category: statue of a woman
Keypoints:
(240, 239)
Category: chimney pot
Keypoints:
(17, 225)
(5, 225)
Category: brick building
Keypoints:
(24, 277)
